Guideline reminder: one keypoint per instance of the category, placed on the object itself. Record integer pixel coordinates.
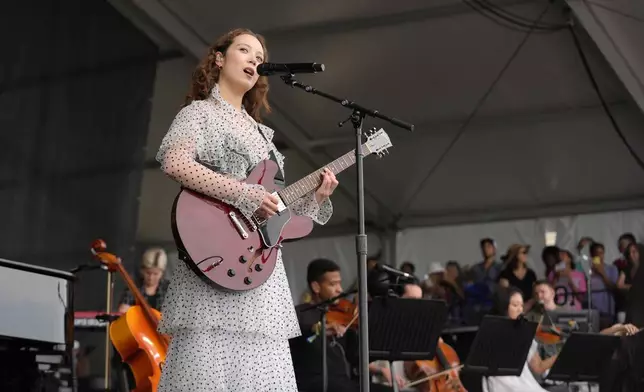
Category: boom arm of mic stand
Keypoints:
(288, 79)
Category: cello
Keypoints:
(439, 374)
(134, 334)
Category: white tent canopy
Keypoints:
(540, 142)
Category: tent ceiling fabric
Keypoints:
(540, 139)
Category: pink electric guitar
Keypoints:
(233, 253)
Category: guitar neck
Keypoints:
(311, 182)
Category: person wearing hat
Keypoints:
(432, 284)
(151, 284)
(516, 272)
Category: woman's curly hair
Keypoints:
(255, 101)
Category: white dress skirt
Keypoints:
(222, 361)
(225, 342)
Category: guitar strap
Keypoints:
(279, 176)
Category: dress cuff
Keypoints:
(250, 199)
(320, 213)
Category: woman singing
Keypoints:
(230, 341)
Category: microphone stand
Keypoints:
(588, 275)
(589, 292)
(357, 118)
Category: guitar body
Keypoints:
(223, 247)
(140, 346)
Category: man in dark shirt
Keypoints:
(324, 282)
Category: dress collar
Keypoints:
(216, 96)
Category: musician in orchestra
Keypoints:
(152, 284)
(230, 341)
(510, 303)
(325, 282)
(382, 369)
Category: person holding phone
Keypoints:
(569, 285)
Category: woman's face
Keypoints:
(634, 253)
(516, 306)
(523, 256)
(151, 276)
(239, 65)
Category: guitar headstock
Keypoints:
(110, 261)
(377, 142)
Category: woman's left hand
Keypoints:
(329, 183)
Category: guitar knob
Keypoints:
(231, 273)
(248, 280)
(258, 267)
(243, 259)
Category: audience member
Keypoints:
(622, 243)
(550, 258)
(569, 285)
(517, 273)
(488, 270)
(603, 283)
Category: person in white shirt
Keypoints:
(512, 303)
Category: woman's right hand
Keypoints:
(268, 207)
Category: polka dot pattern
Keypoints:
(211, 147)
(223, 361)
(227, 341)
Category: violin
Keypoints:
(549, 335)
(134, 334)
(343, 312)
(439, 374)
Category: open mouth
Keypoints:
(249, 71)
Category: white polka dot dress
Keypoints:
(227, 341)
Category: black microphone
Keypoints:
(393, 271)
(267, 69)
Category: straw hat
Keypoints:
(514, 250)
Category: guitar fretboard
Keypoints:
(311, 182)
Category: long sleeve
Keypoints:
(308, 206)
(178, 157)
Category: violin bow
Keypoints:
(433, 376)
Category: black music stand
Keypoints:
(501, 347)
(404, 329)
(577, 363)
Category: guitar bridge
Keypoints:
(238, 225)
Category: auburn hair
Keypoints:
(206, 75)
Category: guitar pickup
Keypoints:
(280, 203)
(238, 225)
